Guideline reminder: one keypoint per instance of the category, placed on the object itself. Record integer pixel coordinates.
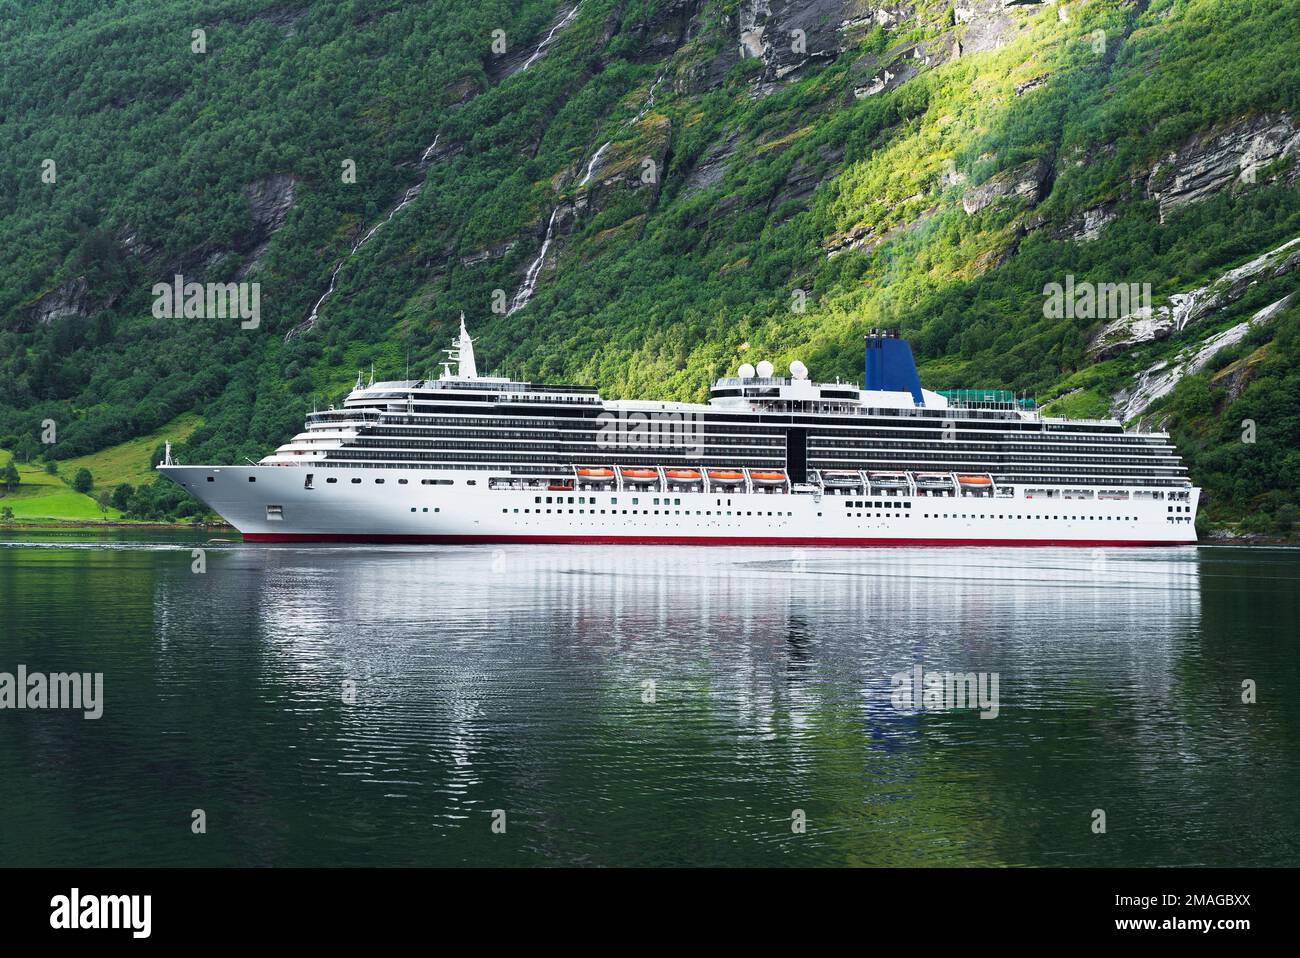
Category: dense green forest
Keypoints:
(727, 184)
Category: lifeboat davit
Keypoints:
(595, 472)
(838, 478)
(889, 480)
(975, 480)
(683, 475)
(767, 477)
(726, 477)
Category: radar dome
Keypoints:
(764, 370)
(798, 370)
(746, 371)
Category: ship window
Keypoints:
(636, 502)
(331, 479)
(425, 509)
(379, 482)
(400, 482)
(252, 478)
(212, 478)
(355, 481)
(471, 482)
(275, 513)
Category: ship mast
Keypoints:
(461, 353)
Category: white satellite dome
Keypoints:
(798, 370)
(765, 370)
(746, 371)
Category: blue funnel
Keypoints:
(890, 366)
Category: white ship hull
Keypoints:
(434, 505)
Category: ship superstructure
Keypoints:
(767, 460)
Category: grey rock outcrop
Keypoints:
(1159, 380)
(271, 199)
(69, 299)
(987, 24)
(665, 30)
(712, 166)
(1028, 182)
(1227, 155)
(1087, 225)
(1185, 309)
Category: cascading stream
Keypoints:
(526, 290)
(530, 278)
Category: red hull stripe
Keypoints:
(689, 540)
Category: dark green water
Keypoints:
(514, 678)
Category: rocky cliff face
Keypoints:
(270, 200)
(1159, 380)
(1236, 154)
(1028, 182)
(1185, 309)
(69, 299)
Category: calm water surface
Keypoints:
(514, 678)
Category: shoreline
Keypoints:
(82, 525)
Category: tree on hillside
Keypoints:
(83, 482)
(121, 500)
(10, 477)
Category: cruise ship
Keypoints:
(768, 460)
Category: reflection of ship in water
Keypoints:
(775, 635)
(517, 677)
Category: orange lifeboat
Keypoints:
(596, 472)
(683, 475)
(975, 480)
(727, 477)
(641, 475)
(767, 476)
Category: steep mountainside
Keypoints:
(641, 195)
